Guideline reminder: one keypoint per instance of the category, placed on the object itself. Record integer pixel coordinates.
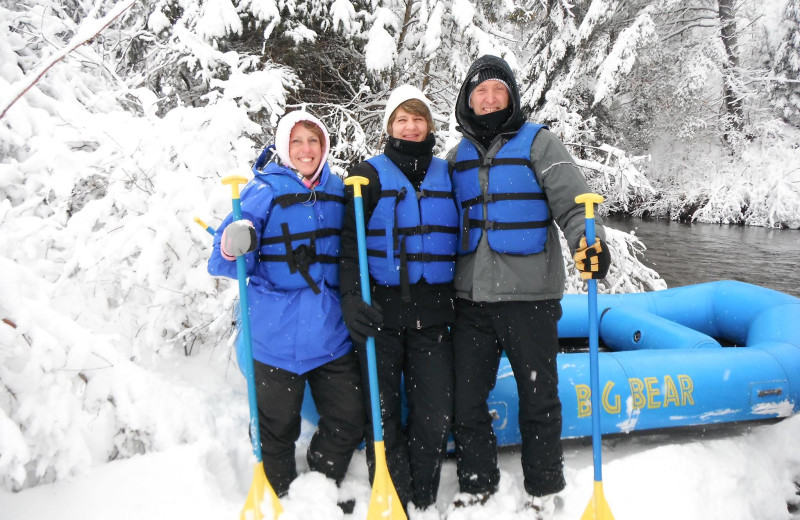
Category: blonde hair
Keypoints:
(412, 106)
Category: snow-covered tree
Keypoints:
(786, 67)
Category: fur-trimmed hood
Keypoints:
(283, 133)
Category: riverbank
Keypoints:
(702, 180)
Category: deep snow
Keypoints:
(741, 472)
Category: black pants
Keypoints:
(528, 333)
(414, 453)
(336, 389)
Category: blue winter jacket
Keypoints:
(295, 316)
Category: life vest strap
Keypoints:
(471, 223)
(495, 197)
(505, 226)
(434, 194)
(462, 166)
(415, 257)
(394, 194)
(422, 229)
(305, 235)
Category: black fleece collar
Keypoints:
(487, 127)
(413, 158)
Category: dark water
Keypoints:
(685, 254)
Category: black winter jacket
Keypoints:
(431, 304)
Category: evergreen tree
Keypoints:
(785, 88)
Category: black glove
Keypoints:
(362, 320)
(592, 262)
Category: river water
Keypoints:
(685, 254)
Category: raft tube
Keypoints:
(663, 365)
(710, 353)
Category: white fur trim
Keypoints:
(284, 131)
(400, 95)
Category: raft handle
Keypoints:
(772, 391)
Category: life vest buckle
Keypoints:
(302, 257)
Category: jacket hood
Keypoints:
(269, 163)
(283, 133)
(465, 115)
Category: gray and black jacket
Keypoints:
(488, 276)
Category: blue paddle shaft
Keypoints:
(363, 268)
(249, 369)
(594, 364)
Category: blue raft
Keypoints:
(701, 354)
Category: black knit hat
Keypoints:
(486, 74)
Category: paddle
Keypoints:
(210, 230)
(384, 504)
(260, 484)
(598, 507)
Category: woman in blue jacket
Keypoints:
(290, 236)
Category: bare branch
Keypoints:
(682, 30)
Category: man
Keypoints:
(513, 183)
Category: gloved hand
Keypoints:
(592, 262)
(237, 239)
(362, 320)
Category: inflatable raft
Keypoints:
(701, 354)
(709, 353)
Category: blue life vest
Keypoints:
(300, 242)
(516, 215)
(411, 234)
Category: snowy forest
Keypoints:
(118, 118)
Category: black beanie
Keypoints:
(485, 74)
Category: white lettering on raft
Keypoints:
(645, 393)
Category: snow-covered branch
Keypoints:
(86, 32)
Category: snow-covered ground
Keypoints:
(743, 472)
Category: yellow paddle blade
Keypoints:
(384, 504)
(598, 507)
(258, 488)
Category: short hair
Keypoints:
(412, 106)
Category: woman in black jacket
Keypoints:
(411, 223)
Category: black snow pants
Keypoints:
(337, 392)
(527, 332)
(414, 453)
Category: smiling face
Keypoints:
(408, 126)
(305, 149)
(489, 96)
